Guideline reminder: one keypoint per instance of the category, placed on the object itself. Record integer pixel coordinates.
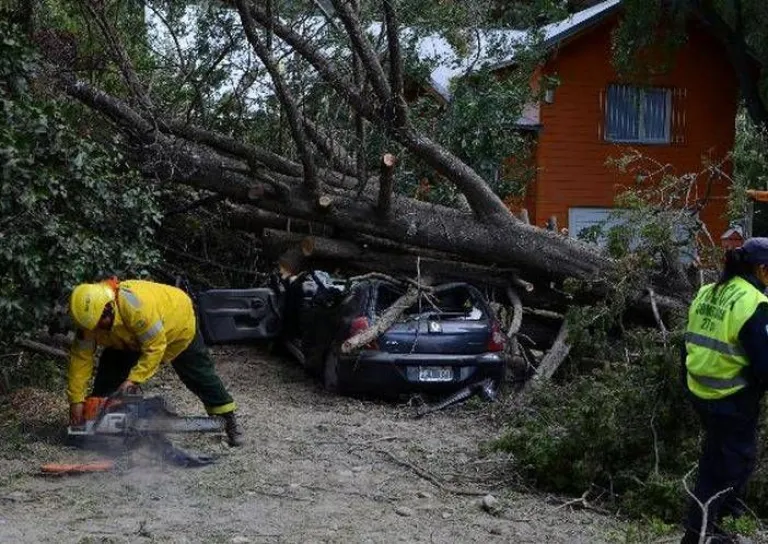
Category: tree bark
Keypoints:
(255, 220)
(277, 242)
(317, 247)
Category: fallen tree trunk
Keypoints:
(342, 253)
(545, 255)
(277, 242)
(255, 220)
(318, 247)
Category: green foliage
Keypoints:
(648, 39)
(25, 370)
(745, 525)
(750, 161)
(481, 128)
(622, 428)
(618, 423)
(69, 209)
(645, 531)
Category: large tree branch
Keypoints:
(339, 157)
(128, 120)
(395, 64)
(117, 50)
(483, 201)
(224, 144)
(362, 47)
(317, 60)
(283, 94)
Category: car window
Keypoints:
(457, 302)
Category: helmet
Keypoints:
(87, 303)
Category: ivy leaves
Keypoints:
(70, 211)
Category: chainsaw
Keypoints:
(137, 415)
(134, 419)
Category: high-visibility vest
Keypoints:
(715, 359)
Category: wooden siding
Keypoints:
(571, 153)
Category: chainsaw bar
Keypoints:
(201, 424)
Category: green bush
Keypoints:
(624, 428)
(621, 427)
(70, 210)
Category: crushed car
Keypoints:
(448, 340)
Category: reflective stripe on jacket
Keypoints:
(715, 359)
(154, 319)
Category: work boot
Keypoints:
(235, 435)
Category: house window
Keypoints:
(638, 114)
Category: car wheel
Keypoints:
(331, 372)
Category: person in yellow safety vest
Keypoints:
(726, 373)
(141, 324)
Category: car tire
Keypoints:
(331, 372)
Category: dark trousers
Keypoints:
(727, 459)
(193, 366)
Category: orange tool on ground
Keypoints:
(61, 469)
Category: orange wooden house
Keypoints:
(681, 119)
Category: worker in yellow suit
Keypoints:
(141, 324)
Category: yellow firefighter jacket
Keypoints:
(151, 318)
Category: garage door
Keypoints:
(582, 219)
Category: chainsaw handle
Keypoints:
(114, 399)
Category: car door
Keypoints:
(238, 315)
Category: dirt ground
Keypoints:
(317, 468)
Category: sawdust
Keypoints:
(317, 468)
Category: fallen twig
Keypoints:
(41, 348)
(582, 503)
(432, 478)
(703, 506)
(657, 315)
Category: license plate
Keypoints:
(435, 373)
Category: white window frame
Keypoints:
(641, 138)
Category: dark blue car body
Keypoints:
(446, 341)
